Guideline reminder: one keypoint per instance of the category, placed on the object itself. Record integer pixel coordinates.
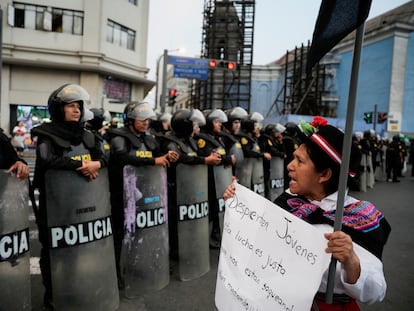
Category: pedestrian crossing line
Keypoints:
(34, 265)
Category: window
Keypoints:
(120, 35)
(46, 18)
(117, 89)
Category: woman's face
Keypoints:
(305, 180)
(216, 126)
(141, 126)
(72, 112)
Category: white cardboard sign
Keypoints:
(269, 258)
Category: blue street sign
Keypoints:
(189, 72)
(188, 61)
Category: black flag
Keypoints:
(336, 19)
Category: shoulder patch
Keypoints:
(269, 142)
(201, 143)
(244, 141)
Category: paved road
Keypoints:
(394, 199)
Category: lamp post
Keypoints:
(160, 97)
(164, 81)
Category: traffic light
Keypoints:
(172, 97)
(222, 64)
(368, 117)
(382, 117)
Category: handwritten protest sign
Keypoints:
(269, 258)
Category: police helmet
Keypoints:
(182, 122)
(247, 125)
(140, 111)
(66, 94)
(270, 129)
(291, 128)
(215, 114)
(165, 117)
(256, 117)
(236, 113)
(99, 116)
(199, 117)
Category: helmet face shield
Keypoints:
(238, 113)
(198, 117)
(217, 114)
(64, 95)
(72, 93)
(141, 112)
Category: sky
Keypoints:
(279, 26)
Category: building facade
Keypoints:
(386, 77)
(99, 44)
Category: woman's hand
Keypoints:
(90, 169)
(173, 156)
(21, 169)
(341, 247)
(230, 191)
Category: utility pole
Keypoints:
(375, 117)
(164, 81)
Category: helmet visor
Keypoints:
(72, 93)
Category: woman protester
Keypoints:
(312, 196)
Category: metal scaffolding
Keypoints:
(303, 93)
(227, 35)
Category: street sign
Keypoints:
(188, 61)
(189, 72)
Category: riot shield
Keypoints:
(192, 217)
(257, 176)
(14, 244)
(244, 172)
(276, 181)
(145, 246)
(222, 178)
(237, 151)
(81, 245)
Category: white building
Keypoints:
(99, 44)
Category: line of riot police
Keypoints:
(117, 207)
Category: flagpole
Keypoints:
(346, 151)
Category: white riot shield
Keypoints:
(14, 244)
(81, 245)
(192, 217)
(276, 181)
(145, 247)
(223, 177)
(257, 176)
(244, 172)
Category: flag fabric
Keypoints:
(336, 19)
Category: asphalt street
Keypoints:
(395, 200)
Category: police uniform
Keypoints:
(60, 146)
(207, 143)
(126, 149)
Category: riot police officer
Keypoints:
(131, 145)
(229, 134)
(64, 145)
(210, 140)
(187, 193)
(250, 173)
(271, 141)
